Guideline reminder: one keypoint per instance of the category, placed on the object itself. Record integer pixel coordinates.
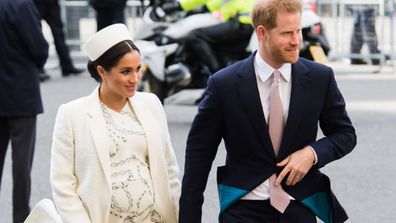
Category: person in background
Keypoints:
(364, 32)
(112, 159)
(50, 11)
(23, 50)
(267, 109)
(108, 12)
(234, 29)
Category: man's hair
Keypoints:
(265, 11)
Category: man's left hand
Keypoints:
(296, 165)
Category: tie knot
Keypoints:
(277, 75)
(275, 81)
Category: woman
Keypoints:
(112, 159)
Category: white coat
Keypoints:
(80, 162)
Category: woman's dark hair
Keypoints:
(110, 58)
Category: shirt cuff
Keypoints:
(316, 156)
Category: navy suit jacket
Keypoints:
(231, 110)
(23, 49)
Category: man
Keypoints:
(23, 51)
(50, 11)
(267, 109)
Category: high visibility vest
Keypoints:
(228, 8)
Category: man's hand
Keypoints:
(296, 165)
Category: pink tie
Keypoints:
(279, 199)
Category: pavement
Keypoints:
(363, 180)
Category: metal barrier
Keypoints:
(338, 23)
(80, 22)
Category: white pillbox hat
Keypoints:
(104, 39)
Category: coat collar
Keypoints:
(154, 141)
(98, 128)
(250, 97)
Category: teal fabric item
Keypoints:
(229, 195)
(319, 204)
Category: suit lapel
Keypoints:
(155, 145)
(250, 98)
(148, 125)
(98, 130)
(298, 99)
(153, 137)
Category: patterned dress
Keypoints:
(132, 200)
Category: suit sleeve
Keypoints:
(28, 25)
(340, 137)
(63, 181)
(202, 143)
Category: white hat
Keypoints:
(44, 212)
(104, 39)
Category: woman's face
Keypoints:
(122, 80)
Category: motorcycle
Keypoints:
(168, 67)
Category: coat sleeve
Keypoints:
(62, 178)
(340, 137)
(203, 140)
(171, 163)
(28, 21)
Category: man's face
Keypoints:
(282, 43)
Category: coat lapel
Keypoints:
(152, 136)
(98, 130)
(155, 146)
(103, 143)
(250, 98)
(298, 99)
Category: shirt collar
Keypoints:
(264, 70)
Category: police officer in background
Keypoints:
(235, 27)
